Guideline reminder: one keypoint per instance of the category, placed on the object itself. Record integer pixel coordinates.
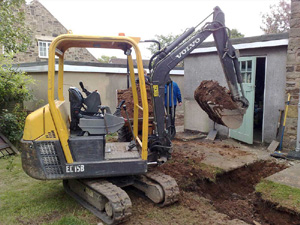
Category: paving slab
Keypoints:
(289, 176)
(226, 155)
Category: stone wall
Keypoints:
(45, 27)
(293, 75)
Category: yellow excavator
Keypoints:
(72, 146)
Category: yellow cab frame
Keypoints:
(59, 46)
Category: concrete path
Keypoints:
(227, 154)
(289, 176)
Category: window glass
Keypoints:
(44, 49)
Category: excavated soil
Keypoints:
(207, 198)
(210, 91)
(231, 193)
(128, 97)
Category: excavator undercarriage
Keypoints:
(107, 200)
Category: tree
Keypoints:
(14, 36)
(277, 20)
(164, 40)
(234, 33)
(106, 59)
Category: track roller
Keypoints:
(107, 201)
(158, 187)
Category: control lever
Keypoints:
(118, 109)
(132, 143)
(83, 89)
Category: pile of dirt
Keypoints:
(210, 92)
(128, 97)
(231, 193)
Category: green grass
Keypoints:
(69, 220)
(214, 171)
(285, 196)
(210, 172)
(24, 200)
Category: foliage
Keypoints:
(277, 20)
(234, 33)
(164, 40)
(106, 59)
(14, 34)
(13, 91)
(12, 123)
(15, 37)
(13, 83)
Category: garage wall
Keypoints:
(105, 83)
(206, 66)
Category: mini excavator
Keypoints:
(74, 148)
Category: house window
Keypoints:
(44, 49)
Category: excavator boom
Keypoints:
(170, 56)
(230, 114)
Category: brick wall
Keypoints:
(293, 75)
(45, 26)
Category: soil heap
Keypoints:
(128, 97)
(208, 93)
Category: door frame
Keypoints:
(264, 111)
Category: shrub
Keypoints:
(12, 123)
(14, 87)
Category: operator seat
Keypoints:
(90, 104)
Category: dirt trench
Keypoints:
(234, 194)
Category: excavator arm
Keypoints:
(165, 60)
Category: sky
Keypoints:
(145, 18)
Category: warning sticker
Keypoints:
(155, 91)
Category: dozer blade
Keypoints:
(217, 103)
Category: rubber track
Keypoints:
(118, 198)
(168, 184)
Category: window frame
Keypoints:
(40, 42)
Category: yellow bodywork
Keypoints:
(52, 118)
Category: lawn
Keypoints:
(283, 195)
(24, 200)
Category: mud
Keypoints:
(128, 97)
(231, 193)
(234, 194)
(211, 92)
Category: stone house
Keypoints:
(270, 67)
(45, 27)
